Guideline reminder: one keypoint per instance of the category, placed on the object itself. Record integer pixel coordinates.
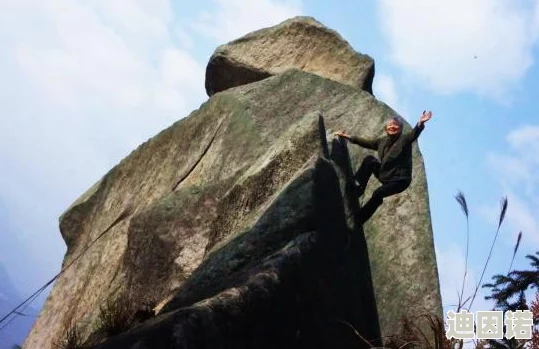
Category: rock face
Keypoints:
(291, 298)
(238, 228)
(301, 43)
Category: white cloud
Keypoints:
(87, 60)
(513, 170)
(535, 28)
(451, 266)
(516, 171)
(235, 18)
(178, 67)
(480, 46)
(525, 140)
(183, 37)
(522, 217)
(384, 89)
(84, 83)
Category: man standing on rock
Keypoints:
(394, 169)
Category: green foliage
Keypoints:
(506, 287)
(507, 291)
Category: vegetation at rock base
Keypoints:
(115, 316)
(507, 291)
(71, 338)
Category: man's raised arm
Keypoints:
(362, 142)
(413, 134)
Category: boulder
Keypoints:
(300, 43)
(292, 298)
(215, 215)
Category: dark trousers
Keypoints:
(369, 166)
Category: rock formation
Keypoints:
(301, 43)
(237, 225)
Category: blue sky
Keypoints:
(83, 85)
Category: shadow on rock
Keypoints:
(314, 292)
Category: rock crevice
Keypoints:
(290, 299)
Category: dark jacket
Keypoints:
(395, 153)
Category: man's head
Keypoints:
(394, 126)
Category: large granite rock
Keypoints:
(300, 43)
(287, 297)
(214, 223)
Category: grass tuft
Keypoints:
(115, 316)
(71, 338)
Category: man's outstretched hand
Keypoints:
(341, 134)
(425, 117)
